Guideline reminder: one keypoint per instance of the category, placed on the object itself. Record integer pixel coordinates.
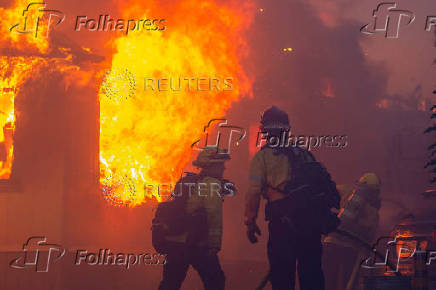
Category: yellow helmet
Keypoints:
(370, 179)
(210, 156)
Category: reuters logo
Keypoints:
(119, 84)
(118, 190)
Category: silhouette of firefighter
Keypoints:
(359, 218)
(300, 195)
(189, 227)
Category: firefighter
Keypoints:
(359, 217)
(270, 174)
(199, 245)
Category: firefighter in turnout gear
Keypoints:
(359, 217)
(198, 239)
(291, 210)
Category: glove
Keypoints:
(252, 230)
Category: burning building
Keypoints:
(90, 117)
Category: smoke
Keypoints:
(306, 58)
(325, 82)
(329, 86)
(320, 55)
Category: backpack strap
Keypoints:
(296, 162)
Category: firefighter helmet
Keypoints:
(274, 118)
(370, 179)
(211, 156)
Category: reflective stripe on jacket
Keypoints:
(267, 168)
(210, 201)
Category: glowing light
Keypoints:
(146, 139)
(30, 55)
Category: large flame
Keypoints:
(14, 70)
(146, 138)
(22, 36)
(23, 53)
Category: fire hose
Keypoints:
(362, 243)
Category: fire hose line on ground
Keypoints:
(354, 238)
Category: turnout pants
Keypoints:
(207, 265)
(288, 248)
(338, 264)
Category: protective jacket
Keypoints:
(359, 216)
(204, 205)
(268, 170)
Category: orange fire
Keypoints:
(13, 72)
(145, 134)
(22, 54)
(22, 36)
(409, 245)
